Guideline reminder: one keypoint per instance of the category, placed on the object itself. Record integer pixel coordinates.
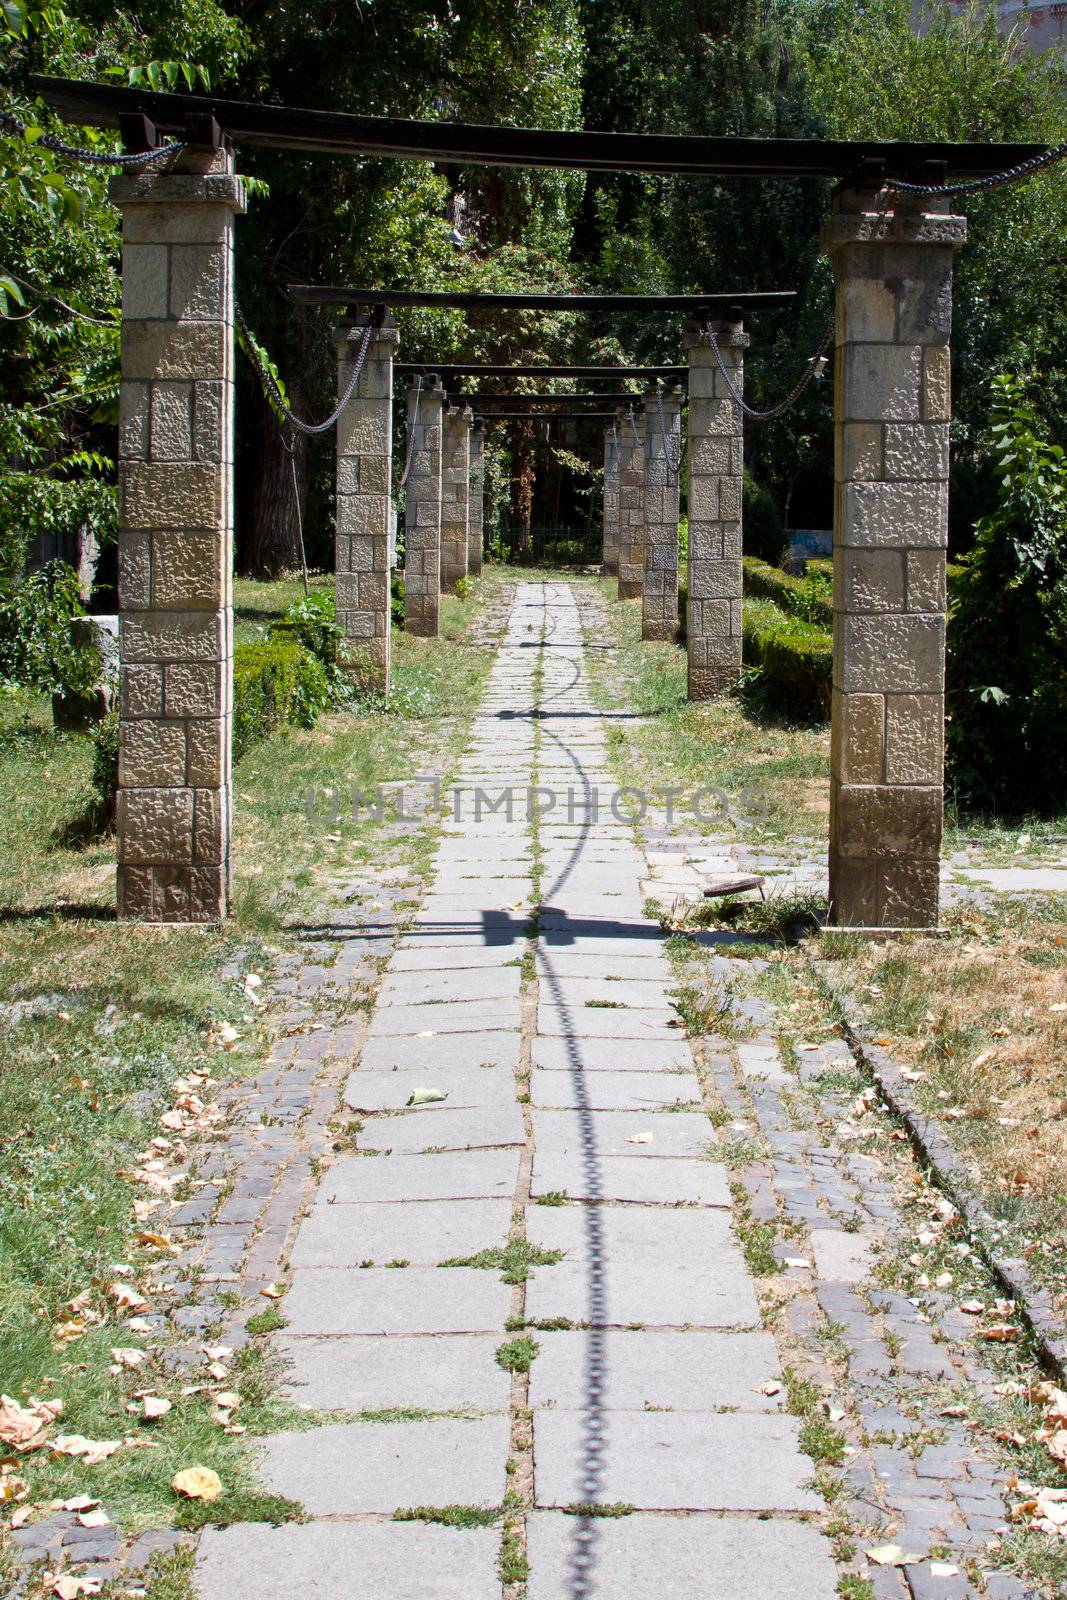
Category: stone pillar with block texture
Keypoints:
(364, 500)
(422, 511)
(455, 496)
(631, 508)
(175, 475)
(892, 263)
(609, 561)
(663, 449)
(716, 472)
(476, 510)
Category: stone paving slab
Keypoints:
(682, 1181)
(469, 1087)
(577, 993)
(700, 1295)
(840, 1257)
(624, 1370)
(424, 1235)
(601, 940)
(438, 958)
(567, 964)
(762, 1061)
(409, 988)
(454, 1175)
(362, 1561)
(672, 1558)
(673, 1461)
(345, 1468)
(334, 1301)
(613, 1091)
(440, 1373)
(615, 1055)
(672, 1134)
(470, 1016)
(443, 1052)
(595, 1022)
(436, 1127)
(659, 1236)
(495, 932)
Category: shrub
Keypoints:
(795, 658)
(396, 598)
(764, 535)
(462, 588)
(1007, 662)
(37, 650)
(809, 598)
(275, 681)
(105, 767)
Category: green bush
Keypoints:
(1007, 660)
(810, 599)
(275, 681)
(36, 647)
(105, 768)
(795, 659)
(396, 598)
(764, 535)
(463, 588)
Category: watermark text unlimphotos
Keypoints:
(423, 800)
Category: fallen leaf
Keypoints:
(12, 1487)
(94, 1519)
(272, 1292)
(69, 1588)
(20, 1516)
(155, 1406)
(128, 1355)
(973, 1308)
(80, 1502)
(772, 1386)
(640, 1138)
(998, 1333)
(943, 1569)
(25, 1427)
(227, 1401)
(197, 1483)
(891, 1555)
(92, 1451)
(129, 1299)
(797, 1261)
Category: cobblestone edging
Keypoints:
(1035, 1304)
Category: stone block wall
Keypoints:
(364, 501)
(422, 513)
(631, 508)
(175, 473)
(476, 510)
(893, 277)
(610, 555)
(455, 495)
(716, 473)
(663, 448)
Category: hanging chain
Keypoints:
(1025, 169)
(275, 394)
(633, 427)
(812, 371)
(412, 425)
(93, 158)
(672, 458)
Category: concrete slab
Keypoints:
(493, 1048)
(470, 1016)
(362, 1561)
(673, 1461)
(661, 1135)
(465, 1087)
(840, 1257)
(568, 963)
(441, 1373)
(324, 1302)
(410, 988)
(346, 1468)
(664, 1054)
(455, 1175)
(592, 1176)
(761, 1060)
(577, 994)
(613, 1091)
(664, 1558)
(422, 1234)
(613, 1370)
(436, 1127)
(434, 958)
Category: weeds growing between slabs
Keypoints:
(100, 1019)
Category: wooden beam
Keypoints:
(467, 369)
(357, 299)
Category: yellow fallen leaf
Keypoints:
(197, 1483)
(12, 1487)
(891, 1555)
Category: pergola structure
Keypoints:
(891, 253)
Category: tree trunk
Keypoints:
(267, 538)
(522, 481)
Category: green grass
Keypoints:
(518, 1355)
(594, 1508)
(554, 1197)
(451, 1516)
(513, 1262)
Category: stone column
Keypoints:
(610, 555)
(422, 514)
(175, 475)
(455, 496)
(663, 446)
(892, 263)
(364, 489)
(476, 513)
(631, 508)
(716, 471)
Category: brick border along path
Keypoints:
(563, 1071)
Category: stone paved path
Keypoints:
(573, 1121)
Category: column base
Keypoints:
(609, 567)
(630, 589)
(422, 627)
(173, 894)
(657, 632)
(885, 892)
(711, 683)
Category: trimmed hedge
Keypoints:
(810, 599)
(795, 658)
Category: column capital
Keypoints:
(730, 335)
(883, 219)
(349, 333)
(179, 189)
